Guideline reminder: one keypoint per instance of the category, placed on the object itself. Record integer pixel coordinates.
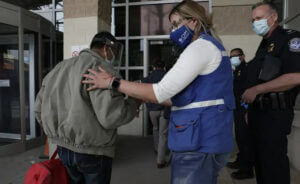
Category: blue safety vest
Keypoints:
(202, 113)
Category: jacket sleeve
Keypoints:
(112, 109)
(38, 105)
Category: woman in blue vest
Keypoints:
(199, 89)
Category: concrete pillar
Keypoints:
(231, 20)
(82, 20)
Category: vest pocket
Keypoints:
(184, 134)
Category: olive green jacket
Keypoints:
(82, 121)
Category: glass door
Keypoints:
(165, 51)
(10, 126)
(30, 53)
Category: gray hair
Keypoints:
(270, 4)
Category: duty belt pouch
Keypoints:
(270, 68)
(260, 101)
(184, 133)
(274, 101)
(282, 101)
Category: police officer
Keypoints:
(244, 161)
(271, 114)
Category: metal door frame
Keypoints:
(25, 20)
(30, 40)
(146, 58)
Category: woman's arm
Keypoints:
(142, 91)
(201, 57)
(102, 79)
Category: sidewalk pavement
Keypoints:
(135, 163)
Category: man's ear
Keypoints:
(275, 17)
(242, 57)
(100, 51)
(105, 48)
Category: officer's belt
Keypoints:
(274, 101)
(199, 104)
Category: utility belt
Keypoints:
(273, 101)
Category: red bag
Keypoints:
(48, 172)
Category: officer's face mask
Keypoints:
(261, 27)
(235, 61)
(182, 36)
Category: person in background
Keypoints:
(84, 124)
(199, 87)
(156, 113)
(244, 160)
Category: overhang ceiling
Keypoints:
(29, 4)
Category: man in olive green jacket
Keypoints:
(84, 124)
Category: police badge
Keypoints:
(271, 47)
(294, 45)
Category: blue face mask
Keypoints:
(235, 61)
(260, 27)
(182, 36)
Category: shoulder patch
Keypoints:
(294, 45)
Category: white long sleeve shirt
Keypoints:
(201, 57)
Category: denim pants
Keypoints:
(197, 167)
(84, 168)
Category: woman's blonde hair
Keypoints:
(189, 9)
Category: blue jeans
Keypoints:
(84, 168)
(197, 167)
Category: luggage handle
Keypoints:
(54, 155)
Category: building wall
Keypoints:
(219, 3)
(232, 21)
(78, 32)
(294, 142)
(248, 43)
(294, 9)
(135, 127)
(82, 20)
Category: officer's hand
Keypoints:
(246, 118)
(249, 95)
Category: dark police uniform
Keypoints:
(271, 115)
(244, 157)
